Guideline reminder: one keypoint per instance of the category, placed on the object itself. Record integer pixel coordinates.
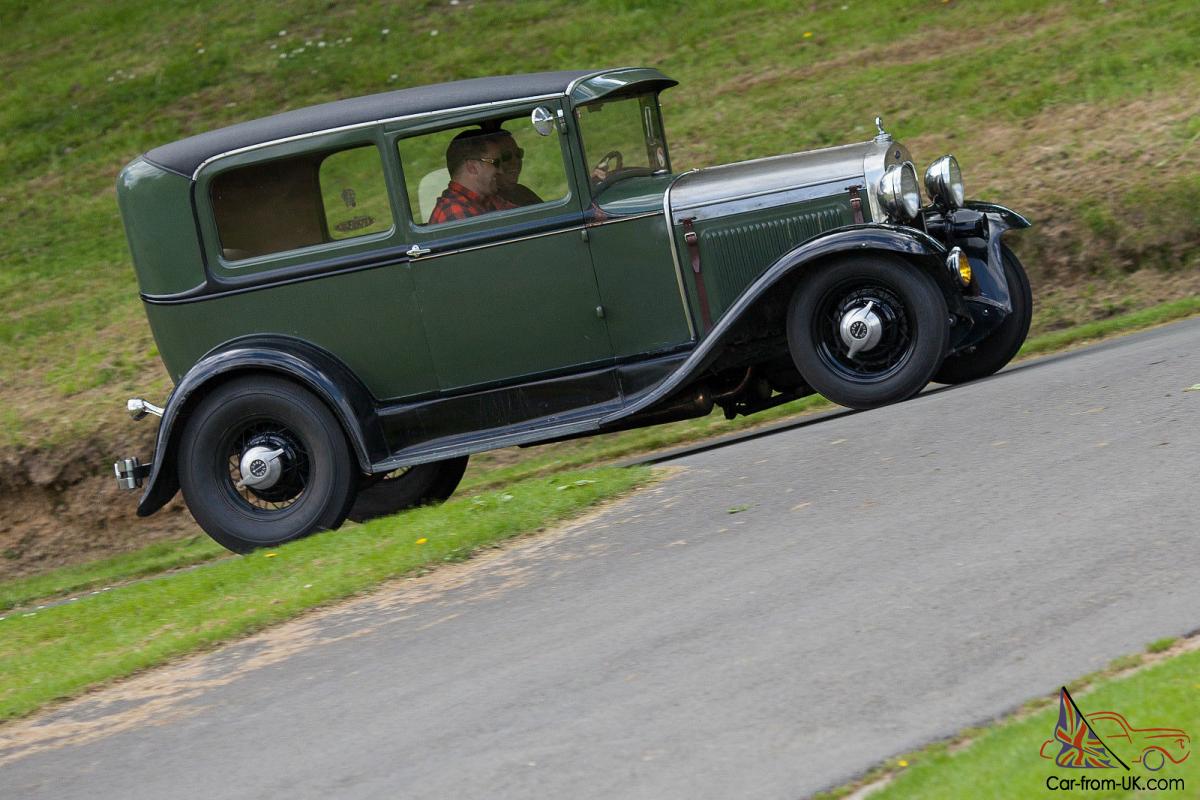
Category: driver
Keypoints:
(473, 161)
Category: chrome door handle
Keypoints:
(417, 250)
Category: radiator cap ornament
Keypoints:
(882, 136)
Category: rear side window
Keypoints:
(300, 202)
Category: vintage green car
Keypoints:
(352, 298)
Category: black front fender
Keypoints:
(311, 367)
(917, 247)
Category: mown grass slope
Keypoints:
(1080, 114)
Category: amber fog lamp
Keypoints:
(943, 181)
(900, 192)
(959, 265)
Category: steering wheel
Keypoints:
(612, 162)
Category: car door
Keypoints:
(507, 296)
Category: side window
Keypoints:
(495, 166)
(299, 202)
(354, 194)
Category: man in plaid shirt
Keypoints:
(473, 160)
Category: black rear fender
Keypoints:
(307, 365)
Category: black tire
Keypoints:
(315, 488)
(414, 486)
(914, 325)
(993, 353)
(447, 481)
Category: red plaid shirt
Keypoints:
(459, 202)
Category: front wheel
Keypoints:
(990, 355)
(866, 331)
(1153, 759)
(263, 461)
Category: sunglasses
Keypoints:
(504, 158)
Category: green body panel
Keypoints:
(514, 310)
(635, 195)
(736, 249)
(368, 319)
(157, 211)
(639, 286)
(499, 299)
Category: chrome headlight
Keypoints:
(943, 181)
(899, 192)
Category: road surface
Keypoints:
(774, 619)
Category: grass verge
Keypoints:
(1004, 761)
(1102, 329)
(486, 473)
(62, 650)
(150, 560)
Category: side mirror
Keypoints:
(543, 120)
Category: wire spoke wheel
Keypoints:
(1001, 345)
(867, 330)
(294, 472)
(263, 461)
(884, 358)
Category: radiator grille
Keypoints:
(735, 253)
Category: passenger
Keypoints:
(473, 161)
(511, 161)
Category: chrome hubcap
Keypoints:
(261, 466)
(861, 329)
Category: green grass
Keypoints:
(60, 651)
(91, 85)
(150, 560)
(1003, 761)
(1149, 317)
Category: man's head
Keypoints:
(511, 160)
(473, 159)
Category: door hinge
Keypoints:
(856, 204)
(693, 246)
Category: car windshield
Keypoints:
(622, 138)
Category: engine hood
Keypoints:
(766, 182)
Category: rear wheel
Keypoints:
(990, 355)
(263, 461)
(409, 487)
(867, 330)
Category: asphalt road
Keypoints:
(892, 577)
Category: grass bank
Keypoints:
(61, 650)
(1080, 115)
(1004, 761)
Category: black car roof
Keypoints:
(185, 155)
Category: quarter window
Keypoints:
(300, 202)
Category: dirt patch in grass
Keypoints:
(68, 509)
(1079, 172)
(1061, 306)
